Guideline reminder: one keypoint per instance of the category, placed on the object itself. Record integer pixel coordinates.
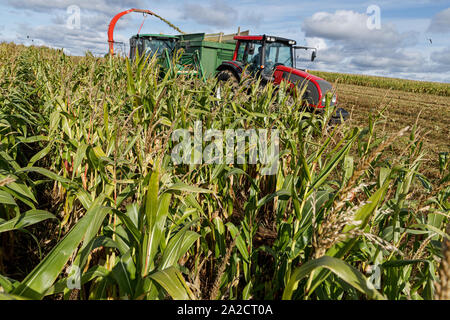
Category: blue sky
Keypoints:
(400, 47)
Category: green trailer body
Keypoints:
(200, 57)
(211, 53)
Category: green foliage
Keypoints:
(88, 141)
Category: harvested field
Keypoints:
(403, 103)
(403, 108)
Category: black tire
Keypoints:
(224, 77)
(339, 117)
(228, 75)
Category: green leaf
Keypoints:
(240, 243)
(129, 224)
(46, 173)
(246, 293)
(155, 228)
(177, 247)
(173, 282)
(93, 273)
(26, 219)
(343, 270)
(33, 139)
(333, 163)
(81, 154)
(363, 215)
(124, 272)
(7, 284)
(85, 198)
(95, 243)
(6, 198)
(348, 169)
(130, 80)
(133, 214)
(158, 228)
(21, 191)
(180, 186)
(151, 201)
(96, 223)
(402, 263)
(10, 161)
(432, 229)
(41, 154)
(7, 296)
(42, 277)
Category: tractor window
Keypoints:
(278, 53)
(150, 46)
(157, 46)
(241, 52)
(253, 58)
(133, 48)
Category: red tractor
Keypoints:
(272, 59)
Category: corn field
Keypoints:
(434, 88)
(92, 207)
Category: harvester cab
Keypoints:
(152, 44)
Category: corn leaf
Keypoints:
(343, 270)
(173, 282)
(26, 219)
(42, 277)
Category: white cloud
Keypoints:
(104, 6)
(442, 57)
(59, 36)
(440, 22)
(218, 13)
(351, 27)
(316, 42)
(399, 61)
(349, 46)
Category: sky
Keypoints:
(402, 39)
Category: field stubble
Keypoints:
(430, 112)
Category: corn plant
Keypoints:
(85, 155)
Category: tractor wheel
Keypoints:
(340, 116)
(226, 76)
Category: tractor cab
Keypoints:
(262, 54)
(274, 60)
(265, 53)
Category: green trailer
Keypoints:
(202, 54)
(211, 53)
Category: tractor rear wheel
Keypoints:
(226, 76)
